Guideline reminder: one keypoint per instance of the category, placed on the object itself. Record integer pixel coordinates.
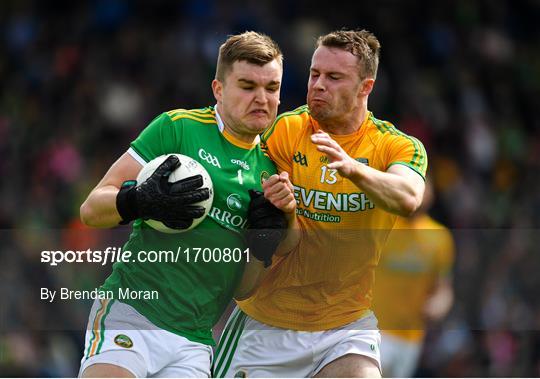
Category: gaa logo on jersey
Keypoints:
(123, 341)
(209, 158)
(240, 374)
(234, 202)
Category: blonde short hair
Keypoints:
(360, 43)
(253, 47)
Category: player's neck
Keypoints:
(349, 124)
(245, 140)
(250, 139)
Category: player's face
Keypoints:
(335, 88)
(248, 98)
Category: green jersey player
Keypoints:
(165, 329)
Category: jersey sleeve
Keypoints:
(276, 143)
(407, 151)
(161, 136)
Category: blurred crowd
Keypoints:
(81, 79)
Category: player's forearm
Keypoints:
(255, 271)
(253, 274)
(389, 191)
(292, 238)
(440, 301)
(99, 209)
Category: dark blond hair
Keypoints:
(253, 47)
(360, 43)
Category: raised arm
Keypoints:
(399, 190)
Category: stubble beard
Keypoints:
(320, 114)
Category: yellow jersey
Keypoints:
(418, 252)
(326, 282)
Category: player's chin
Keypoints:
(318, 111)
(259, 124)
(319, 116)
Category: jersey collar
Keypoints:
(220, 123)
(229, 137)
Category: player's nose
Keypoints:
(318, 84)
(259, 96)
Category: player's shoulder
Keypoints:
(443, 233)
(299, 114)
(289, 123)
(388, 132)
(205, 115)
(176, 118)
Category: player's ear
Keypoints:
(217, 89)
(367, 86)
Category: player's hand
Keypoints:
(266, 227)
(157, 199)
(339, 159)
(279, 190)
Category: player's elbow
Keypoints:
(409, 205)
(87, 215)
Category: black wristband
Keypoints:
(263, 243)
(126, 202)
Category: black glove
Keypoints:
(160, 200)
(266, 227)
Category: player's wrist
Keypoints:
(290, 216)
(126, 202)
(358, 173)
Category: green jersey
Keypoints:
(193, 289)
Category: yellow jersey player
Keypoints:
(352, 175)
(412, 287)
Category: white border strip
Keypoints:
(136, 156)
(220, 123)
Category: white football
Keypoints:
(189, 167)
